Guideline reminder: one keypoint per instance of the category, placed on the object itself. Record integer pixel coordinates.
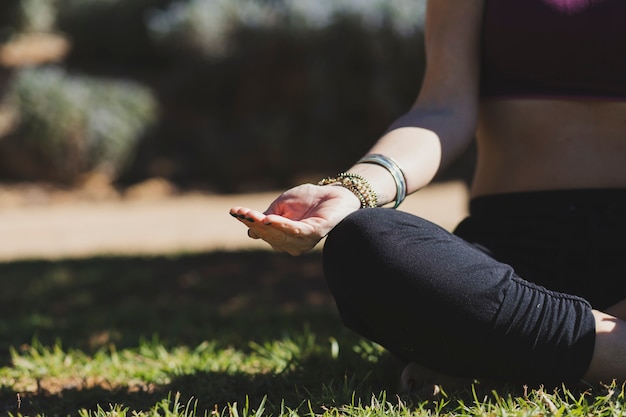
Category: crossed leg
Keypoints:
(429, 297)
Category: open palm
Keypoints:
(298, 219)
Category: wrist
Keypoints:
(346, 195)
(357, 185)
(392, 167)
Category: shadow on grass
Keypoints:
(229, 299)
(184, 299)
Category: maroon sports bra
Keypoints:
(554, 48)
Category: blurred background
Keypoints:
(229, 95)
(115, 98)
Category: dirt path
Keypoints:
(186, 223)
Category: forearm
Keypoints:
(421, 144)
(443, 120)
(416, 150)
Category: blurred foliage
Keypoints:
(252, 93)
(283, 104)
(70, 125)
(37, 15)
(8, 16)
(17, 16)
(112, 33)
(208, 24)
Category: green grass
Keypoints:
(224, 335)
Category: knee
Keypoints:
(370, 230)
(367, 240)
(353, 227)
(346, 247)
(355, 235)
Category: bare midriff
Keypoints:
(547, 144)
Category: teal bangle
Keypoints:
(395, 171)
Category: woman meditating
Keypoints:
(531, 287)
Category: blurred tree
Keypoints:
(251, 93)
(69, 125)
(9, 16)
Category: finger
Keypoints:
(281, 240)
(247, 215)
(252, 234)
(284, 224)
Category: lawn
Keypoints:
(218, 334)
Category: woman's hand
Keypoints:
(298, 219)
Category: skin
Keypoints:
(524, 144)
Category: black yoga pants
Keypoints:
(508, 296)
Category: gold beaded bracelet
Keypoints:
(359, 186)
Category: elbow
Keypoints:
(453, 128)
(461, 119)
